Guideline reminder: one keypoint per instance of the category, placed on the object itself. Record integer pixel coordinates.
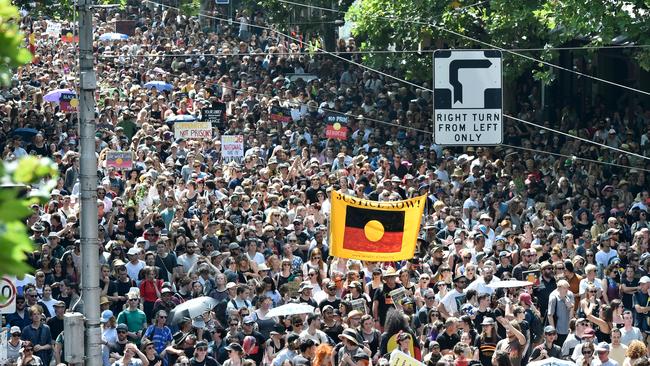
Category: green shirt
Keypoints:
(135, 320)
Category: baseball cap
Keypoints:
(15, 330)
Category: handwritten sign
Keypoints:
(336, 131)
(280, 114)
(400, 358)
(120, 160)
(232, 147)
(53, 29)
(192, 130)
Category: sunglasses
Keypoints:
(122, 332)
(587, 352)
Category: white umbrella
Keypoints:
(510, 284)
(552, 361)
(192, 308)
(290, 309)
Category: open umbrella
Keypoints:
(160, 85)
(290, 309)
(55, 95)
(113, 37)
(192, 308)
(181, 118)
(25, 133)
(551, 361)
(510, 284)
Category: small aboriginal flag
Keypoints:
(374, 231)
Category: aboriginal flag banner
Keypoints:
(374, 231)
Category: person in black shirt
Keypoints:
(382, 300)
(449, 338)
(56, 322)
(201, 357)
(548, 348)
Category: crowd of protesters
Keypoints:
(252, 233)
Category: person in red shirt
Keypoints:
(150, 289)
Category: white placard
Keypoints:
(53, 29)
(232, 147)
(193, 130)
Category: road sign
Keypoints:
(467, 106)
(7, 295)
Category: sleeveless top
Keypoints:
(265, 326)
(612, 289)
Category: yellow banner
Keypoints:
(372, 230)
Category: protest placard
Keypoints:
(280, 114)
(216, 115)
(53, 29)
(120, 160)
(192, 130)
(232, 147)
(68, 102)
(359, 305)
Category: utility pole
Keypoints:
(88, 185)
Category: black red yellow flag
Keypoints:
(374, 231)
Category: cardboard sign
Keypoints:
(120, 160)
(532, 276)
(400, 358)
(192, 130)
(359, 305)
(68, 103)
(398, 294)
(215, 115)
(280, 114)
(293, 287)
(232, 147)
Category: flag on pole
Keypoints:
(374, 231)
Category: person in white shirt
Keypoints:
(629, 332)
(189, 258)
(481, 283)
(448, 306)
(135, 264)
(313, 331)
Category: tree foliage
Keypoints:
(407, 24)
(12, 42)
(16, 200)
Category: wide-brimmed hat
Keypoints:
(390, 272)
(349, 334)
(488, 321)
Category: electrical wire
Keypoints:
(379, 52)
(431, 90)
(577, 137)
(429, 132)
(417, 86)
(482, 43)
(298, 40)
(573, 157)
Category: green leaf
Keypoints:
(13, 210)
(25, 172)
